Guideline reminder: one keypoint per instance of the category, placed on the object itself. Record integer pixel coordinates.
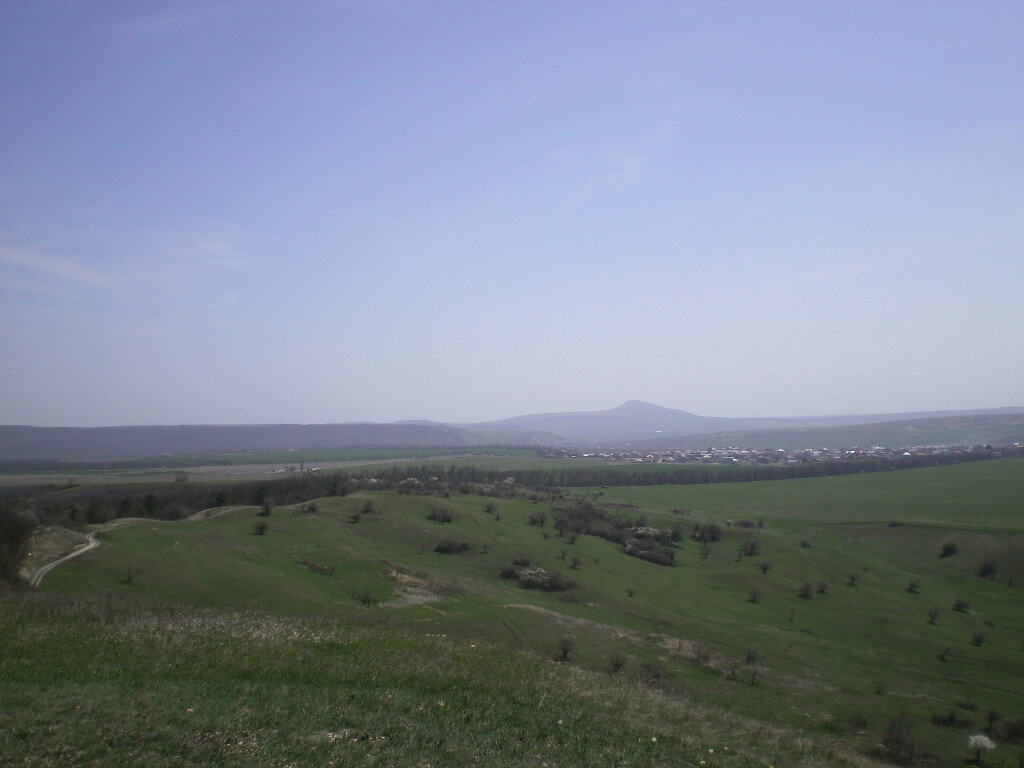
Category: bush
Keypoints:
(896, 744)
(537, 578)
(650, 549)
(805, 591)
(441, 514)
(754, 595)
(706, 533)
(566, 645)
(987, 569)
(451, 546)
(913, 586)
(750, 547)
(948, 549)
(978, 639)
(260, 528)
(960, 605)
(951, 720)
(365, 598)
(1013, 730)
(17, 522)
(537, 518)
(933, 614)
(765, 566)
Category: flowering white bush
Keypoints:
(979, 743)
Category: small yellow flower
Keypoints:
(559, 722)
(654, 738)
(711, 751)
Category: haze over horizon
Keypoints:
(242, 212)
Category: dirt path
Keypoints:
(92, 542)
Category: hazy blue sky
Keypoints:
(255, 211)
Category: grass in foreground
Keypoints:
(131, 683)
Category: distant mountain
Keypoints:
(996, 429)
(632, 424)
(637, 421)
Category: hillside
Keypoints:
(78, 443)
(809, 614)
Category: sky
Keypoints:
(249, 212)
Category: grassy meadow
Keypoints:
(824, 611)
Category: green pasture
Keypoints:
(719, 628)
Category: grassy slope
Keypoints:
(857, 650)
(126, 683)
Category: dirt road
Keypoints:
(92, 542)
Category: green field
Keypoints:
(360, 616)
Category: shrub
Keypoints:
(441, 514)
(805, 591)
(706, 532)
(987, 569)
(260, 528)
(490, 507)
(978, 639)
(365, 598)
(649, 548)
(537, 518)
(266, 507)
(537, 578)
(896, 744)
(948, 549)
(859, 721)
(310, 508)
(574, 563)
(933, 614)
(451, 546)
(943, 654)
(16, 526)
(979, 743)
(765, 566)
(852, 579)
(951, 720)
(753, 653)
(960, 605)
(754, 595)
(750, 547)
(1013, 730)
(805, 544)
(616, 663)
(566, 645)
(368, 508)
(913, 586)
(823, 587)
